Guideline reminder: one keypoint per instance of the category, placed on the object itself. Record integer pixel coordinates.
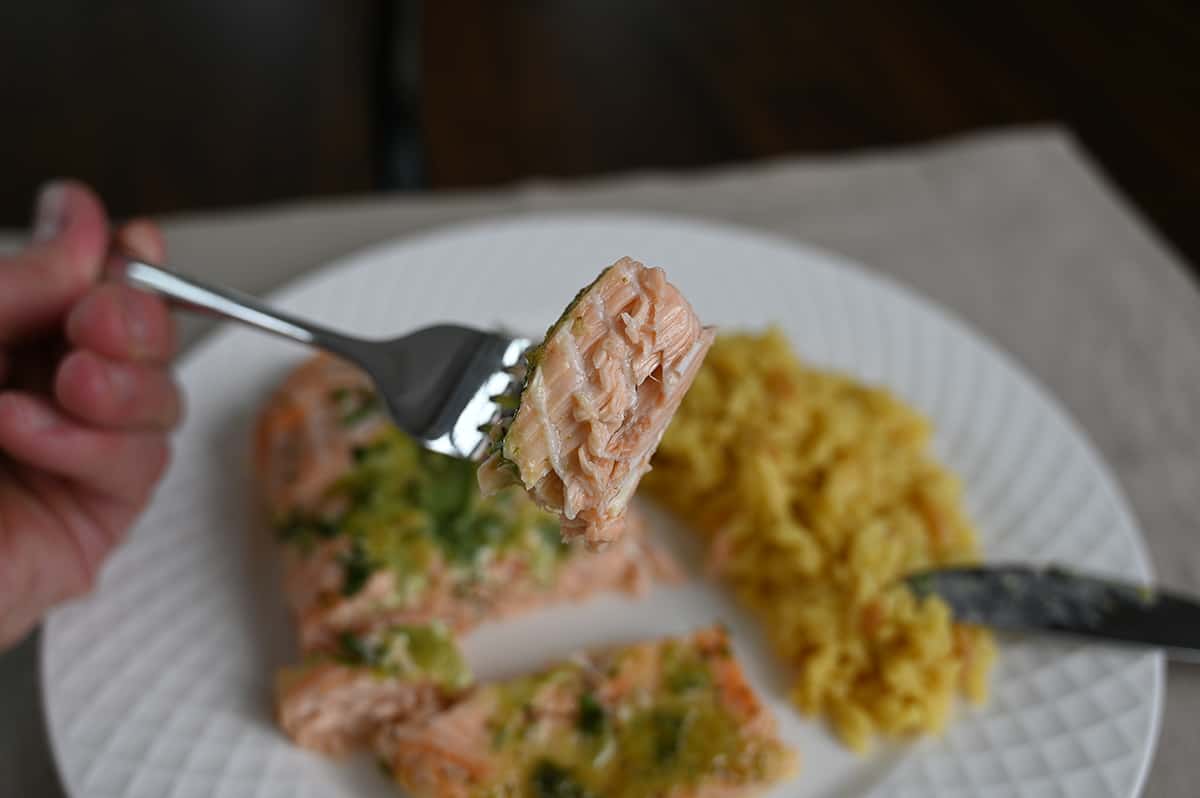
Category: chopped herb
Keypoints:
(684, 669)
(666, 726)
(548, 780)
(356, 650)
(591, 715)
(354, 405)
(533, 359)
(446, 487)
(551, 533)
(574, 303)
(423, 651)
(465, 538)
(356, 570)
(305, 530)
(548, 549)
(506, 401)
(431, 650)
(407, 507)
(687, 676)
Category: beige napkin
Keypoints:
(1015, 232)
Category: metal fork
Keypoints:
(442, 385)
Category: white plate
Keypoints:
(158, 685)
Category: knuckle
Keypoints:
(86, 385)
(94, 316)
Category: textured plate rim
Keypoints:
(698, 223)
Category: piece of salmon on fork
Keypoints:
(597, 398)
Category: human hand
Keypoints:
(86, 403)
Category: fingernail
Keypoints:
(49, 214)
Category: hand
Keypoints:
(86, 404)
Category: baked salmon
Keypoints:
(309, 429)
(377, 531)
(672, 718)
(336, 701)
(597, 397)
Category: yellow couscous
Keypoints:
(816, 494)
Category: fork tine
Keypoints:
(485, 391)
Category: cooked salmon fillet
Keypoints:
(336, 702)
(315, 585)
(379, 532)
(673, 717)
(308, 430)
(334, 708)
(598, 395)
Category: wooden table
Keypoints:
(184, 106)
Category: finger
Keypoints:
(69, 242)
(123, 323)
(122, 465)
(60, 561)
(143, 238)
(117, 394)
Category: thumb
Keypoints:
(70, 239)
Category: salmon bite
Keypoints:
(598, 395)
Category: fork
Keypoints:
(443, 385)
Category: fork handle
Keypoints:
(190, 294)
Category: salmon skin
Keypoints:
(671, 717)
(598, 395)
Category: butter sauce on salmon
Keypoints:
(598, 395)
(668, 718)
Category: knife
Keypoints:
(1058, 601)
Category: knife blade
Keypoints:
(1058, 601)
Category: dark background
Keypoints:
(193, 104)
